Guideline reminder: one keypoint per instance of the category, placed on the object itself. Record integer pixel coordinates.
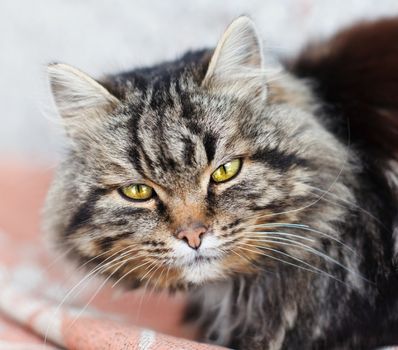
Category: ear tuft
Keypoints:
(77, 94)
(237, 63)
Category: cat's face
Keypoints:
(172, 184)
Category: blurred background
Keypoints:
(107, 36)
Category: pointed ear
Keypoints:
(76, 94)
(236, 66)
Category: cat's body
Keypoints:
(295, 250)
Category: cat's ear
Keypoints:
(237, 66)
(78, 95)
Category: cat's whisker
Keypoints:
(166, 279)
(296, 244)
(129, 248)
(260, 252)
(103, 266)
(283, 253)
(146, 274)
(140, 255)
(340, 199)
(151, 266)
(305, 228)
(79, 268)
(272, 224)
(120, 264)
(81, 311)
(248, 260)
(104, 282)
(56, 259)
(71, 291)
(310, 268)
(329, 200)
(157, 280)
(346, 205)
(277, 233)
(129, 272)
(167, 273)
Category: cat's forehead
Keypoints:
(175, 135)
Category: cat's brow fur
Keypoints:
(326, 285)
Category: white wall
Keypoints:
(105, 36)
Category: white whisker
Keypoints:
(306, 228)
(347, 202)
(130, 271)
(85, 278)
(142, 277)
(81, 311)
(277, 233)
(311, 269)
(153, 264)
(289, 242)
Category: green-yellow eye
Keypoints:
(226, 171)
(138, 192)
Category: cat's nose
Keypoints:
(192, 235)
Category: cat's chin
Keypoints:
(203, 272)
(200, 266)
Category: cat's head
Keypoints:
(175, 174)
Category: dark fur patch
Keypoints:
(356, 74)
(84, 213)
(189, 151)
(106, 243)
(210, 142)
(279, 160)
(154, 243)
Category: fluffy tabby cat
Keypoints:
(270, 198)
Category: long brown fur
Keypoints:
(299, 244)
(356, 74)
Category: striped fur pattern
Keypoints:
(299, 251)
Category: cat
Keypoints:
(269, 196)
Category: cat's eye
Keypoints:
(137, 192)
(227, 171)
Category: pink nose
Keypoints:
(192, 235)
